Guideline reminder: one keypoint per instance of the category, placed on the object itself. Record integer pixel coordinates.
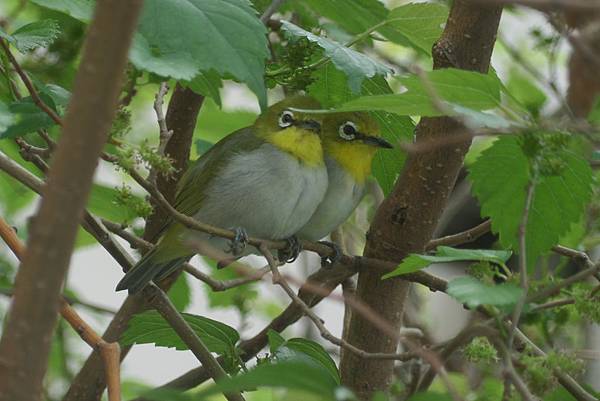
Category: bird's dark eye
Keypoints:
(348, 130)
(286, 119)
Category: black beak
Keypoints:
(376, 141)
(309, 125)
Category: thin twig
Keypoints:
(517, 381)
(462, 338)
(224, 285)
(165, 134)
(553, 304)
(522, 265)
(72, 301)
(272, 9)
(564, 379)
(464, 237)
(555, 288)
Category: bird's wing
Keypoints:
(199, 175)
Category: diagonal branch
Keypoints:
(110, 351)
(161, 302)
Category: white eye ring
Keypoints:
(348, 131)
(286, 119)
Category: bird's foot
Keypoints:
(290, 253)
(328, 261)
(239, 242)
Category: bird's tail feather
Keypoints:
(148, 268)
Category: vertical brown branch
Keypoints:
(25, 343)
(584, 83)
(406, 220)
(181, 117)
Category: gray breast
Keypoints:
(268, 192)
(342, 196)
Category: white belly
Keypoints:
(342, 196)
(267, 192)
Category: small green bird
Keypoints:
(350, 141)
(265, 181)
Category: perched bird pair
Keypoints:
(290, 174)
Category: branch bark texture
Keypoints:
(406, 220)
(25, 343)
(584, 84)
(181, 117)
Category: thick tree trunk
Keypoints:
(25, 343)
(584, 82)
(407, 219)
(584, 88)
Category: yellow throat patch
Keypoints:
(305, 146)
(354, 158)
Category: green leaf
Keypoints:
(15, 196)
(6, 117)
(355, 65)
(465, 88)
(276, 340)
(330, 89)
(594, 118)
(103, 203)
(415, 262)
(180, 39)
(27, 117)
(500, 177)
(472, 292)
(388, 163)
(60, 95)
(310, 349)
(150, 328)
(37, 34)
(207, 84)
(416, 25)
(180, 293)
(78, 9)
(84, 239)
(526, 92)
(477, 120)
(289, 374)
(354, 16)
